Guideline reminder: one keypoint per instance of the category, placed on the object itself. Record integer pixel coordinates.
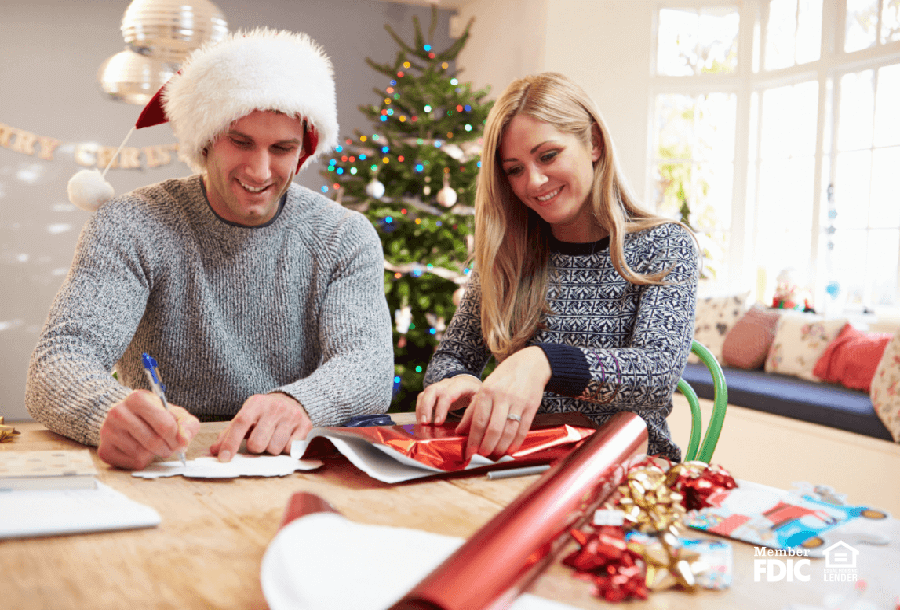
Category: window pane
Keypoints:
(718, 40)
(856, 110)
(789, 121)
(847, 262)
(674, 126)
(713, 196)
(677, 42)
(851, 189)
(887, 106)
(780, 32)
(884, 207)
(809, 31)
(673, 184)
(692, 42)
(784, 215)
(862, 20)
(716, 126)
(881, 267)
(890, 21)
(694, 135)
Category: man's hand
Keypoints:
(273, 422)
(139, 429)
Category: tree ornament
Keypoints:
(454, 151)
(447, 196)
(403, 319)
(375, 189)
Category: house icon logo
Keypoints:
(840, 555)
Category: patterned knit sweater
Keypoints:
(612, 346)
(295, 306)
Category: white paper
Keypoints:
(239, 466)
(381, 461)
(49, 512)
(385, 563)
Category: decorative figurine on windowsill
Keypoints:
(789, 294)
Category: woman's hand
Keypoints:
(501, 413)
(433, 403)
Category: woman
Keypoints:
(585, 299)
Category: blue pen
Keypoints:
(157, 386)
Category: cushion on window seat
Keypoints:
(810, 401)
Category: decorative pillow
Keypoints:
(799, 342)
(714, 318)
(885, 392)
(748, 342)
(851, 359)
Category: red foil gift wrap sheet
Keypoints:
(304, 503)
(502, 558)
(551, 436)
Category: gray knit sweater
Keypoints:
(295, 306)
(612, 346)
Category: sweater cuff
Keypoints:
(455, 373)
(569, 371)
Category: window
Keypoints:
(783, 153)
(785, 170)
(870, 23)
(862, 221)
(697, 41)
(693, 152)
(695, 165)
(793, 33)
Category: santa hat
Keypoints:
(224, 81)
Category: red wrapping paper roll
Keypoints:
(502, 558)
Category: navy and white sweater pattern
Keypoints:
(612, 345)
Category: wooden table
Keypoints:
(207, 551)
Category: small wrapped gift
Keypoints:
(7, 433)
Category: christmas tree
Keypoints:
(414, 178)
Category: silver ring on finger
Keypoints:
(514, 417)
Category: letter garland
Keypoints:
(86, 154)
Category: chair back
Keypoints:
(697, 451)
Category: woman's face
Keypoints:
(551, 172)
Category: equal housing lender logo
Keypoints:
(773, 565)
(840, 562)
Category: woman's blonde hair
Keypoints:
(512, 241)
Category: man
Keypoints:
(262, 301)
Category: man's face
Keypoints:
(251, 165)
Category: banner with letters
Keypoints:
(86, 154)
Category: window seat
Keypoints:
(815, 402)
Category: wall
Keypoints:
(51, 51)
(604, 45)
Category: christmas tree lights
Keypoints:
(413, 176)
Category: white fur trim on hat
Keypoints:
(259, 70)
